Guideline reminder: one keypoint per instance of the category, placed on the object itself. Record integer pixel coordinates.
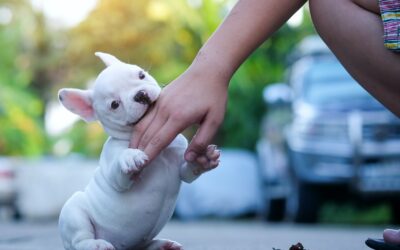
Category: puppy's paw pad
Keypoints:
(213, 153)
(210, 159)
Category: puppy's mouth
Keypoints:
(145, 99)
(149, 107)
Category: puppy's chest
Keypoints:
(162, 172)
(153, 191)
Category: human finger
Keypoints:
(162, 138)
(140, 128)
(203, 137)
(156, 124)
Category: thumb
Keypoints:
(201, 139)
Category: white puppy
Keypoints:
(125, 205)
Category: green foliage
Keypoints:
(165, 36)
(350, 213)
(162, 36)
(87, 138)
(21, 130)
(245, 105)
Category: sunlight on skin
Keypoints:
(65, 13)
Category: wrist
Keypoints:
(212, 65)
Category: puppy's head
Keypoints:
(121, 95)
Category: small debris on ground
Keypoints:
(298, 246)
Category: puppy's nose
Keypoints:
(142, 97)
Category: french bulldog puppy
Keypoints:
(126, 204)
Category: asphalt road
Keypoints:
(210, 235)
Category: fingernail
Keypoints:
(191, 156)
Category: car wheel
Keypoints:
(303, 203)
(274, 209)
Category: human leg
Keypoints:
(354, 32)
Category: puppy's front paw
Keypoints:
(208, 161)
(132, 161)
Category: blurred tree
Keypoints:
(160, 35)
(20, 110)
(266, 65)
(164, 36)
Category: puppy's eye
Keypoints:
(141, 75)
(115, 104)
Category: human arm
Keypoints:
(199, 95)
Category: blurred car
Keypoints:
(231, 190)
(8, 191)
(325, 137)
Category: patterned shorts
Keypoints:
(390, 13)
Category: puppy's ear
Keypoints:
(107, 58)
(78, 102)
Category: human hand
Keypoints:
(193, 98)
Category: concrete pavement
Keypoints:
(209, 235)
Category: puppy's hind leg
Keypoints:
(76, 229)
(162, 244)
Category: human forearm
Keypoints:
(248, 24)
(199, 95)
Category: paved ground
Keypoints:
(209, 235)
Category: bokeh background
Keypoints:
(44, 47)
(47, 45)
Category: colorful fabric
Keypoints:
(390, 13)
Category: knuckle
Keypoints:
(155, 141)
(145, 139)
(163, 106)
(178, 115)
(139, 129)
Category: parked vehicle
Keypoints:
(325, 137)
(8, 193)
(232, 190)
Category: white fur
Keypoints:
(126, 204)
